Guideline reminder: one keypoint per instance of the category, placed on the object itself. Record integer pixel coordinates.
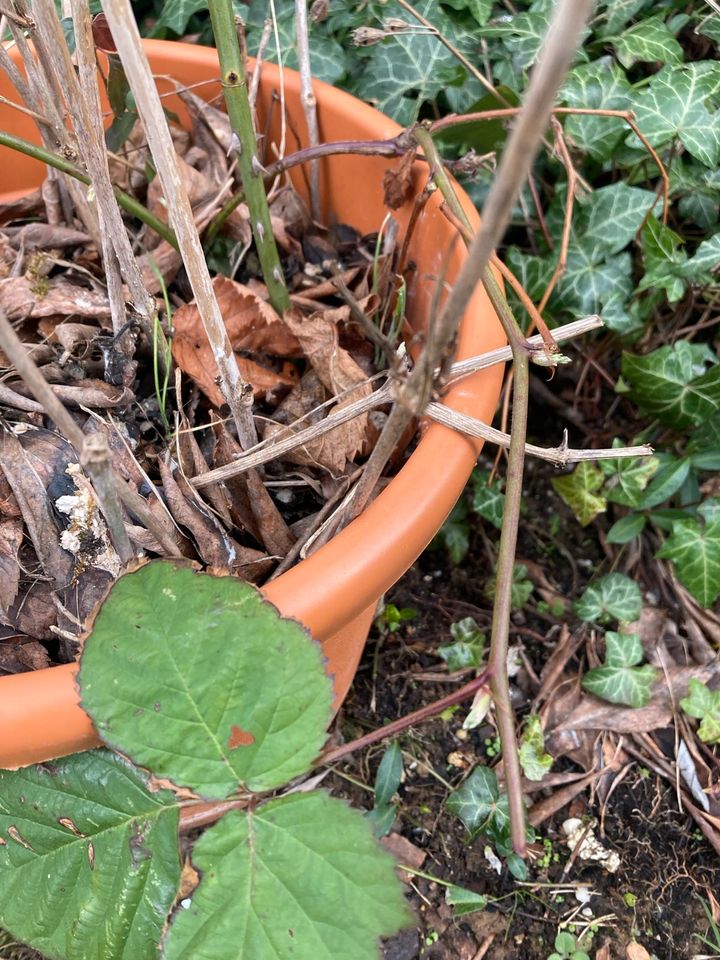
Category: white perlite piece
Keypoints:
(591, 849)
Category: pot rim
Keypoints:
(344, 578)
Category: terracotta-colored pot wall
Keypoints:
(333, 592)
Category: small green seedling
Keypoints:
(387, 781)
(567, 948)
(468, 647)
(391, 618)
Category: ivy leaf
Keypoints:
(673, 106)
(477, 800)
(619, 680)
(468, 648)
(479, 9)
(600, 85)
(612, 597)
(534, 761)
(703, 266)
(665, 483)
(613, 216)
(488, 500)
(454, 534)
(695, 552)
(89, 864)
(627, 477)
(522, 35)
(245, 699)
(464, 901)
(276, 879)
(520, 589)
(176, 15)
(671, 383)
(618, 13)
(627, 528)
(410, 68)
(596, 283)
(648, 41)
(579, 490)
(703, 703)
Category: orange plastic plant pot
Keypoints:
(334, 592)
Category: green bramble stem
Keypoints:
(128, 203)
(234, 81)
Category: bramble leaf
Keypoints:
(673, 383)
(619, 680)
(703, 703)
(89, 863)
(579, 490)
(694, 549)
(276, 880)
(612, 597)
(243, 700)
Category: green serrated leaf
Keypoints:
(703, 703)
(694, 549)
(612, 597)
(627, 528)
(534, 761)
(276, 880)
(89, 864)
(488, 499)
(649, 41)
(673, 106)
(243, 698)
(579, 490)
(468, 648)
(600, 85)
(389, 774)
(673, 384)
(464, 901)
(620, 680)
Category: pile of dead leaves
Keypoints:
(56, 559)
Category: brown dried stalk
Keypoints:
(308, 100)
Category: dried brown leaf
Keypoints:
(405, 852)
(41, 236)
(24, 474)
(25, 206)
(398, 183)
(89, 393)
(22, 298)
(594, 714)
(252, 325)
(215, 120)
(198, 187)
(635, 951)
(11, 532)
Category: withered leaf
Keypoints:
(198, 187)
(41, 236)
(398, 183)
(252, 325)
(23, 474)
(22, 297)
(10, 540)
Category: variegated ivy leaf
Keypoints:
(627, 478)
(612, 216)
(703, 703)
(579, 490)
(328, 58)
(479, 9)
(694, 548)
(703, 266)
(612, 597)
(674, 383)
(649, 41)
(594, 283)
(534, 761)
(176, 15)
(412, 66)
(522, 34)
(599, 85)
(674, 106)
(619, 680)
(617, 14)
(488, 499)
(468, 646)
